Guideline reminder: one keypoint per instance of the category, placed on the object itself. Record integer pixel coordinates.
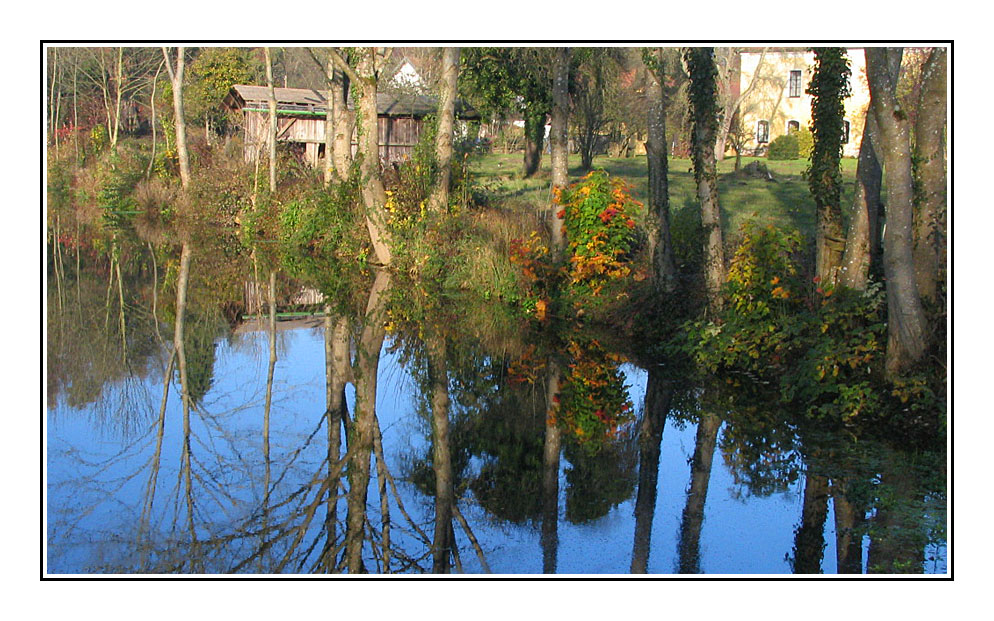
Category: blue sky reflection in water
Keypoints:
(100, 459)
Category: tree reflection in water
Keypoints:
(223, 466)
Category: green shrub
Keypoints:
(786, 147)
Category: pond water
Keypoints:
(244, 476)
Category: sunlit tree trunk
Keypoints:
(366, 77)
(906, 333)
(663, 267)
(700, 63)
(689, 545)
(438, 201)
(176, 77)
(930, 169)
(119, 87)
(441, 456)
(863, 238)
(361, 433)
(657, 405)
(273, 120)
(558, 134)
(550, 476)
(809, 538)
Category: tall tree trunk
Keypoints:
(273, 121)
(373, 192)
(660, 243)
(906, 334)
(338, 138)
(657, 405)
(439, 199)
(863, 239)
(119, 87)
(689, 546)
(361, 433)
(809, 539)
(176, 77)
(550, 475)
(558, 136)
(700, 62)
(441, 456)
(929, 157)
(829, 87)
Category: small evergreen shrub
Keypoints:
(786, 147)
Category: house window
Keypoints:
(795, 84)
(763, 132)
(793, 126)
(845, 132)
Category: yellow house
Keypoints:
(778, 104)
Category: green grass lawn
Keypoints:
(783, 202)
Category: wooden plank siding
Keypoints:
(301, 120)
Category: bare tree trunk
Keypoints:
(702, 93)
(438, 201)
(119, 87)
(929, 156)
(151, 105)
(550, 476)
(863, 239)
(728, 73)
(663, 267)
(186, 461)
(558, 136)
(176, 77)
(442, 542)
(273, 121)
(657, 405)
(906, 334)
(344, 125)
(373, 192)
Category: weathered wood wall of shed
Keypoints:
(398, 135)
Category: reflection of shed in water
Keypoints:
(301, 114)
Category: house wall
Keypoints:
(771, 101)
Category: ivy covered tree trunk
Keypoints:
(906, 333)
(700, 65)
(660, 243)
(863, 238)
(829, 88)
(439, 199)
(534, 139)
(559, 136)
(930, 172)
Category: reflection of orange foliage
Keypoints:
(526, 368)
(540, 307)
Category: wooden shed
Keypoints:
(301, 114)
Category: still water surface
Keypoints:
(135, 484)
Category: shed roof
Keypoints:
(304, 100)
